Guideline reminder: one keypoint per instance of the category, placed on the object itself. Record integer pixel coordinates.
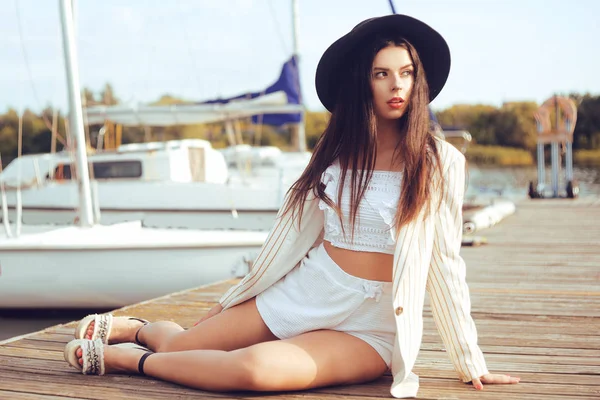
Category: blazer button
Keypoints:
(399, 310)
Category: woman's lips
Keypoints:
(396, 102)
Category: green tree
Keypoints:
(463, 115)
(87, 97)
(107, 96)
(587, 128)
(8, 144)
(477, 119)
(315, 124)
(36, 136)
(515, 125)
(167, 100)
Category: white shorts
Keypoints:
(318, 294)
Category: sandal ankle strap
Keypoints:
(142, 361)
(137, 339)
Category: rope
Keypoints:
(189, 48)
(284, 45)
(148, 71)
(24, 51)
(29, 74)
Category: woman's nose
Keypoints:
(396, 83)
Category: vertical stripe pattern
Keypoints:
(450, 301)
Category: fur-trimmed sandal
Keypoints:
(102, 327)
(93, 355)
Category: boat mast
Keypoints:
(392, 7)
(295, 26)
(75, 112)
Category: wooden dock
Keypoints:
(535, 290)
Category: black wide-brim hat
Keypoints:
(431, 46)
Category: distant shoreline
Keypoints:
(501, 156)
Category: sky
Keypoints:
(502, 50)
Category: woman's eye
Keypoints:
(407, 72)
(380, 74)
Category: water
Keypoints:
(19, 322)
(512, 183)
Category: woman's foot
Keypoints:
(123, 330)
(120, 330)
(109, 359)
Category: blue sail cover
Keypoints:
(289, 82)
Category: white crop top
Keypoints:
(374, 228)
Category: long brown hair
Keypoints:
(350, 137)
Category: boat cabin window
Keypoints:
(105, 170)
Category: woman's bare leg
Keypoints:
(314, 359)
(237, 327)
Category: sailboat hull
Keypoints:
(93, 279)
(105, 271)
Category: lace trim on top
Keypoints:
(374, 229)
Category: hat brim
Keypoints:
(430, 45)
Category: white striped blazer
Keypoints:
(426, 258)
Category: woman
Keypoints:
(336, 294)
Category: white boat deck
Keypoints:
(124, 236)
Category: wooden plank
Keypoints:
(53, 337)
(12, 395)
(435, 371)
(73, 384)
(523, 359)
(487, 323)
(10, 363)
(37, 344)
(36, 354)
(527, 340)
(508, 350)
(452, 389)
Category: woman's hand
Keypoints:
(211, 313)
(493, 379)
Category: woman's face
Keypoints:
(392, 79)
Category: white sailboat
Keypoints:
(180, 183)
(90, 265)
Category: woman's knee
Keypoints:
(169, 343)
(252, 370)
(257, 370)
